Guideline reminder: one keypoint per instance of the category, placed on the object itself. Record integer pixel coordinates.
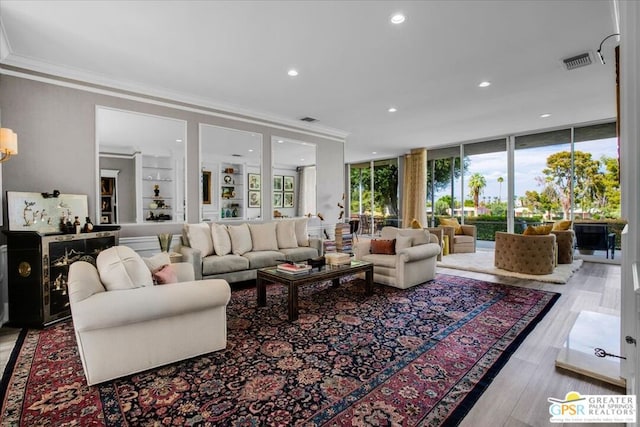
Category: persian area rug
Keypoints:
(415, 357)
(482, 262)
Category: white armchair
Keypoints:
(125, 324)
(413, 261)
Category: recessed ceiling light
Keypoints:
(398, 18)
(545, 115)
(484, 84)
(280, 141)
(178, 140)
(251, 150)
(292, 72)
(374, 152)
(392, 109)
(302, 160)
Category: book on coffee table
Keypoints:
(293, 268)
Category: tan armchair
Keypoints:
(565, 241)
(461, 243)
(534, 254)
(413, 262)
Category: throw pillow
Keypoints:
(199, 236)
(221, 239)
(383, 246)
(403, 242)
(165, 275)
(451, 222)
(561, 225)
(301, 231)
(240, 238)
(286, 234)
(157, 261)
(120, 267)
(415, 223)
(537, 230)
(263, 236)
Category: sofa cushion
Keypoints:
(537, 230)
(301, 231)
(561, 225)
(383, 246)
(299, 254)
(263, 237)
(240, 239)
(451, 222)
(221, 239)
(199, 236)
(120, 267)
(261, 259)
(418, 237)
(286, 234)
(462, 239)
(219, 264)
(165, 275)
(157, 261)
(380, 260)
(403, 242)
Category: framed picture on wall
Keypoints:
(288, 200)
(254, 181)
(288, 183)
(206, 187)
(277, 183)
(277, 200)
(254, 199)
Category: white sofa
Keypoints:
(234, 252)
(412, 262)
(125, 324)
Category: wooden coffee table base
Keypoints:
(292, 282)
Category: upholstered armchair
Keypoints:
(408, 261)
(461, 243)
(535, 254)
(565, 240)
(438, 233)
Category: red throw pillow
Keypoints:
(383, 247)
(165, 275)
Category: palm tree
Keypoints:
(500, 181)
(476, 185)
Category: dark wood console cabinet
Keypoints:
(38, 267)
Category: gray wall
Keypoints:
(56, 138)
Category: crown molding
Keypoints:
(5, 46)
(29, 68)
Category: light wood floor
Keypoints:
(518, 395)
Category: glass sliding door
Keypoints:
(361, 196)
(597, 179)
(374, 194)
(443, 183)
(485, 186)
(543, 180)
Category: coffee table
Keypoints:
(293, 281)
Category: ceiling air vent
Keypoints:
(577, 61)
(308, 119)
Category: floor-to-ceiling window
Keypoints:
(567, 173)
(542, 178)
(443, 183)
(374, 194)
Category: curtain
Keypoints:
(306, 191)
(414, 192)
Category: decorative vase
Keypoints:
(165, 241)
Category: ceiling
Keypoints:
(353, 63)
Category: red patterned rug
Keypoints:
(412, 357)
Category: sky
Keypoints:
(529, 164)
